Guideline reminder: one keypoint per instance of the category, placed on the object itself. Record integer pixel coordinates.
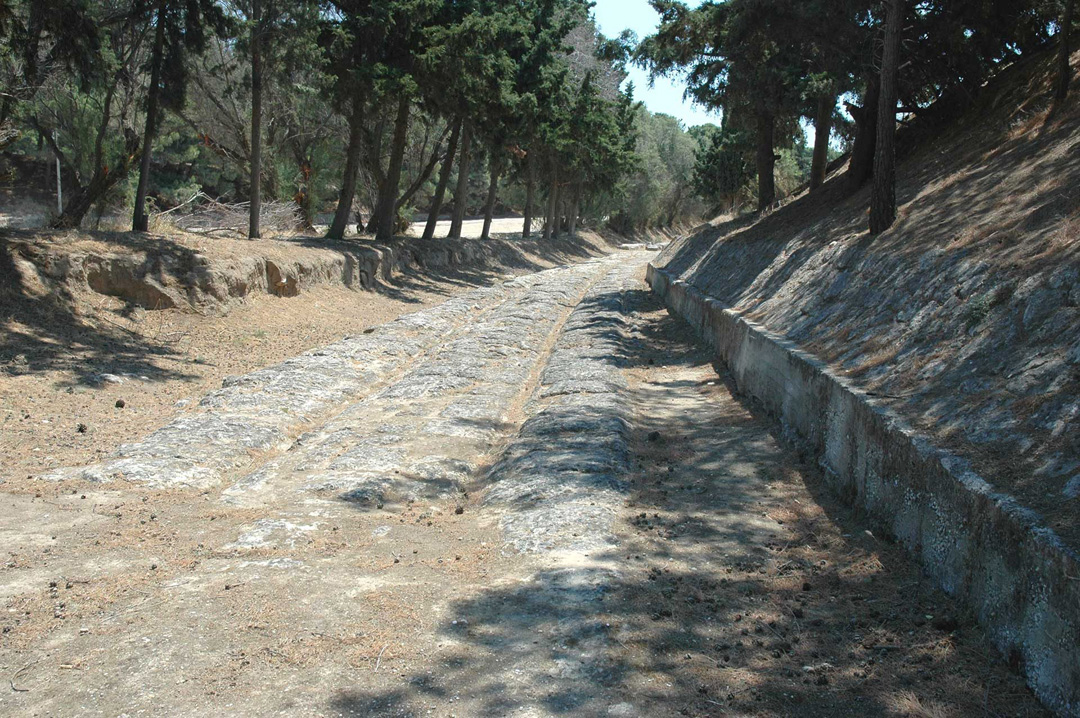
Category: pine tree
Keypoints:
(87, 120)
(180, 27)
(472, 66)
(373, 48)
(883, 199)
(259, 16)
(742, 56)
(1065, 52)
(41, 37)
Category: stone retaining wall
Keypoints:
(1015, 575)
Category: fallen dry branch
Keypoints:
(202, 214)
(18, 674)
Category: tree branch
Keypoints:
(426, 173)
(50, 140)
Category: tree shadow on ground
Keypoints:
(736, 584)
(40, 331)
(410, 284)
(961, 316)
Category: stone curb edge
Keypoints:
(1015, 574)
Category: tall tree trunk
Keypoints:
(766, 160)
(676, 205)
(104, 180)
(556, 209)
(254, 230)
(495, 169)
(6, 108)
(386, 212)
(84, 197)
(1065, 53)
(822, 133)
(861, 166)
(141, 220)
(549, 212)
(421, 179)
(883, 199)
(461, 193)
(83, 200)
(305, 201)
(444, 181)
(575, 209)
(352, 167)
(530, 195)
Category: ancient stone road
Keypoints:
(536, 499)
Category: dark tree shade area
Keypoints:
(362, 113)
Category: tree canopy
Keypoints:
(361, 112)
(768, 64)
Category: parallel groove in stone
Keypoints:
(260, 412)
(557, 485)
(424, 435)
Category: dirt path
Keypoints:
(535, 499)
(472, 227)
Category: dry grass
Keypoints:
(909, 705)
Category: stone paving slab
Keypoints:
(424, 435)
(417, 356)
(557, 485)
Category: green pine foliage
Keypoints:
(532, 82)
(723, 170)
(767, 64)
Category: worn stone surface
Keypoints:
(253, 416)
(455, 399)
(452, 371)
(559, 483)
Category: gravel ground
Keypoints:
(534, 499)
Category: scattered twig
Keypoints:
(197, 195)
(120, 326)
(15, 677)
(179, 337)
(378, 660)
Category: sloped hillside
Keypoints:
(965, 316)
